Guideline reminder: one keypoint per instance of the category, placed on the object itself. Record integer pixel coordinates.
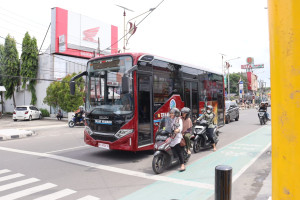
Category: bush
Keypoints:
(45, 112)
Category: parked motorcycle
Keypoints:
(200, 138)
(72, 122)
(163, 156)
(262, 116)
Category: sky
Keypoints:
(190, 31)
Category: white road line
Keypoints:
(57, 195)
(68, 149)
(4, 171)
(27, 192)
(115, 169)
(237, 175)
(5, 178)
(18, 184)
(89, 198)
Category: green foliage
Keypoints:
(29, 66)
(1, 62)
(234, 83)
(67, 101)
(58, 94)
(45, 112)
(10, 67)
(52, 94)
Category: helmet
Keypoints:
(209, 107)
(81, 107)
(175, 111)
(185, 110)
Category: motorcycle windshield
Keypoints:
(166, 124)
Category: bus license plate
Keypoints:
(99, 121)
(104, 146)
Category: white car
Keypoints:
(26, 113)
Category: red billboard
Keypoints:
(77, 35)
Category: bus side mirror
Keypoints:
(72, 87)
(125, 85)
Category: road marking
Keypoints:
(9, 177)
(68, 149)
(115, 169)
(18, 184)
(3, 171)
(57, 195)
(43, 127)
(89, 198)
(28, 191)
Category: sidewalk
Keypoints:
(54, 118)
(266, 190)
(8, 134)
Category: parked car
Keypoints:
(26, 113)
(231, 112)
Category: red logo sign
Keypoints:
(89, 34)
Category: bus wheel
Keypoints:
(158, 163)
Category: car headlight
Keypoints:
(123, 132)
(88, 130)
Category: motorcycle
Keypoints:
(164, 156)
(262, 116)
(200, 139)
(72, 122)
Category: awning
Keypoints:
(2, 89)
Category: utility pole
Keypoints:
(284, 20)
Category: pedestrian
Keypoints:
(59, 115)
(209, 117)
(176, 124)
(187, 127)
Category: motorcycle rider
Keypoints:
(176, 124)
(187, 127)
(264, 107)
(79, 114)
(209, 117)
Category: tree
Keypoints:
(58, 94)
(29, 66)
(10, 67)
(1, 63)
(234, 83)
(69, 102)
(52, 94)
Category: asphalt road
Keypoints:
(56, 161)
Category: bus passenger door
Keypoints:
(191, 98)
(145, 125)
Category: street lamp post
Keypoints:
(228, 65)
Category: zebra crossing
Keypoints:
(7, 175)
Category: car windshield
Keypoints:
(21, 108)
(110, 86)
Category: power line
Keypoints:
(136, 26)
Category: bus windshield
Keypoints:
(109, 86)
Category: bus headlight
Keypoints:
(123, 132)
(88, 130)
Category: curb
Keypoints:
(9, 134)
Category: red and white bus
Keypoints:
(127, 94)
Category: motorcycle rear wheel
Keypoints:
(158, 163)
(71, 124)
(197, 145)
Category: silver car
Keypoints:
(26, 113)
(231, 111)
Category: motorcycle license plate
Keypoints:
(102, 145)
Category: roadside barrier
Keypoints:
(223, 182)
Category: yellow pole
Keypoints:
(284, 26)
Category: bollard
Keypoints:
(223, 182)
